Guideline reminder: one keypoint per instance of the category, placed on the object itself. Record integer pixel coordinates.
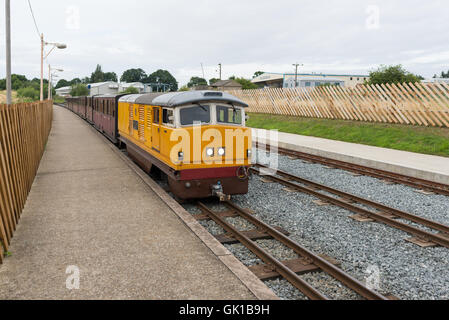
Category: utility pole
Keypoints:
(202, 68)
(42, 67)
(296, 65)
(219, 66)
(8, 52)
(49, 82)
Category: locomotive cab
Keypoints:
(198, 139)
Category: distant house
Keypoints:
(63, 91)
(109, 87)
(223, 85)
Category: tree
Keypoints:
(130, 90)
(391, 74)
(62, 83)
(110, 76)
(246, 84)
(443, 75)
(196, 81)
(29, 93)
(97, 75)
(213, 80)
(258, 73)
(76, 81)
(79, 90)
(163, 77)
(184, 88)
(133, 75)
(19, 81)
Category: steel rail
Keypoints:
(418, 183)
(283, 270)
(323, 264)
(435, 238)
(379, 206)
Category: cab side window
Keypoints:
(168, 117)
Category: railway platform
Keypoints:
(421, 166)
(93, 228)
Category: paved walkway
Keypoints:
(88, 209)
(417, 165)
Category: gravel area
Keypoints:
(375, 254)
(372, 252)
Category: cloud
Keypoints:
(349, 36)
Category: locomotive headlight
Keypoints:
(221, 152)
(181, 156)
(249, 153)
(210, 152)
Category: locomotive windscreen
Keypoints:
(195, 114)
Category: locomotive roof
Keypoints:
(176, 99)
(109, 95)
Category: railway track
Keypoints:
(307, 262)
(420, 184)
(381, 213)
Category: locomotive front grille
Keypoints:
(131, 116)
(142, 123)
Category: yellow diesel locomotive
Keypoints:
(198, 139)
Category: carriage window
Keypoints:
(156, 115)
(195, 114)
(168, 117)
(229, 115)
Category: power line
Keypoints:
(34, 19)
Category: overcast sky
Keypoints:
(346, 36)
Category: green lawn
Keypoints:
(426, 140)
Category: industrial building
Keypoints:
(108, 87)
(287, 80)
(142, 87)
(436, 80)
(63, 91)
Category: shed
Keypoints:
(223, 85)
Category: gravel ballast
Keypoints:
(373, 253)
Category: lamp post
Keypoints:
(43, 44)
(50, 77)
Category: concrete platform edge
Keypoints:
(412, 172)
(254, 284)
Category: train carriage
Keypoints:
(104, 115)
(90, 110)
(82, 107)
(197, 138)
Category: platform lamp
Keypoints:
(50, 78)
(43, 44)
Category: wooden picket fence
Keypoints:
(408, 103)
(24, 130)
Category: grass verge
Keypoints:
(427, 140)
